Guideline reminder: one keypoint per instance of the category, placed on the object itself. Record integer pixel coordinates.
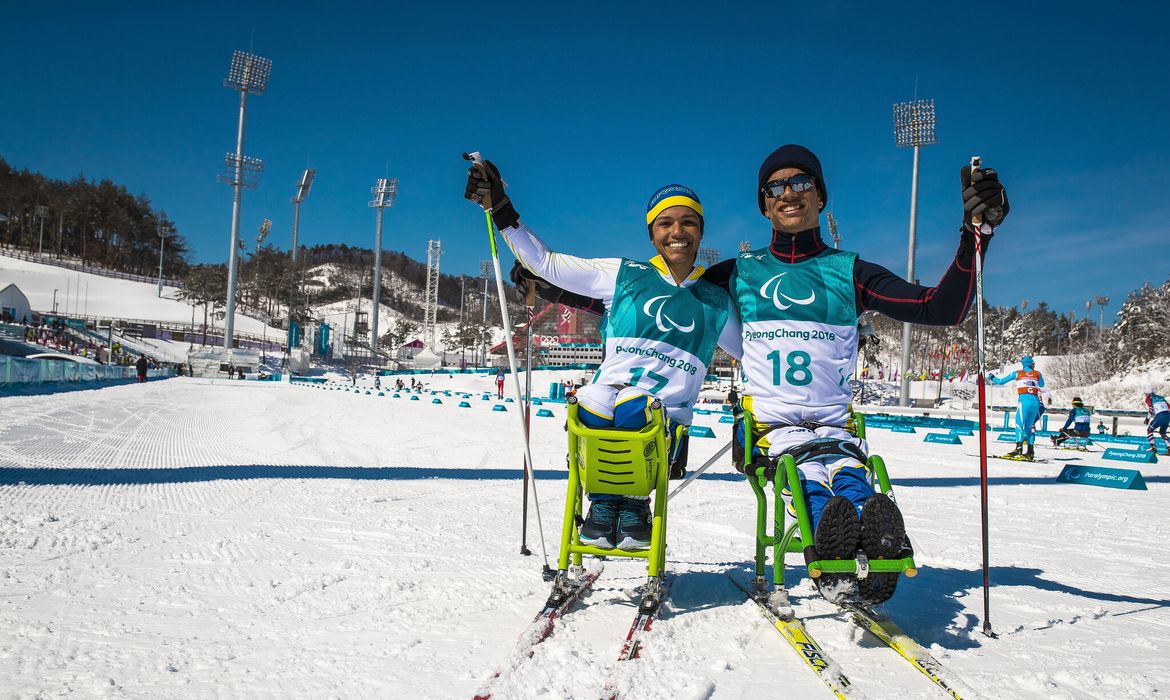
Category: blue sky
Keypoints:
(587, 109)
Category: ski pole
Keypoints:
(530, 303)
(706, 465)
(512, 364)
(980, 230)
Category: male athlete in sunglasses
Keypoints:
(799, 301)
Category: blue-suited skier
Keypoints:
(1028, 384)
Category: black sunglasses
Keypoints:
(801, 182)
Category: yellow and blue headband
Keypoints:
(671, 196)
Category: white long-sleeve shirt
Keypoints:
(650, 338)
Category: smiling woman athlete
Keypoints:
(662, 328)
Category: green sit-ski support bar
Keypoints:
(622, 462)
(798, 537)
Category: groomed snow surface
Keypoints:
(200, 538)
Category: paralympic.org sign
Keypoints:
(1103, 476)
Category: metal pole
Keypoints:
(41, 242)
(530, 302)
(695, 475)
(162, 244)
(904, 400)
(296, 228)
(514, 367)
(462, 327)
(377, 283)
(483, 328)
(980, 230)
(237, 197)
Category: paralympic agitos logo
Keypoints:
(771, 290)
(655, 309)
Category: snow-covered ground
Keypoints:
(197, 538)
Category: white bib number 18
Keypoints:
(798, 373)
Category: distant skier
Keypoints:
(500, 383)
(1078, 425)
(1028, 384)
(141, 366)
(1159, 418)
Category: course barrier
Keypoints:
(943, 438)
(1142, 456)
(1103, 476)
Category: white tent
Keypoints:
(426, 359)
(14, 306)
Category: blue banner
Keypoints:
(944, 438)
(1103, 476)
(323, 332)
(294, 334)
(1142, 456)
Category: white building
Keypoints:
(14, 306)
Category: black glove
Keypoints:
(983, 194)
(485, 187)
(523, 277)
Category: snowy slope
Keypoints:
(195, 538)
(81, 293)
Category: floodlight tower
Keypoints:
(745, 246)
(162, 234)
(913, 127)
(248, 75)
(42, 212)
(708, 256)
(302, 192)
(385, 192)
(1101, 303)
(833, 231)
(262, 234)
(431, 298)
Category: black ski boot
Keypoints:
(1030, 454)
(600, 525)
(883, 536)
(1016, 453)
(837, 537)
(635, 524)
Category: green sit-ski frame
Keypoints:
(623, 462)
(798, 537)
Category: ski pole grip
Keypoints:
(976, 219)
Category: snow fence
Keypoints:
(22, 371)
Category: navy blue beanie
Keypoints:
(792, 156)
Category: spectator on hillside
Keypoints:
(141, 365)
